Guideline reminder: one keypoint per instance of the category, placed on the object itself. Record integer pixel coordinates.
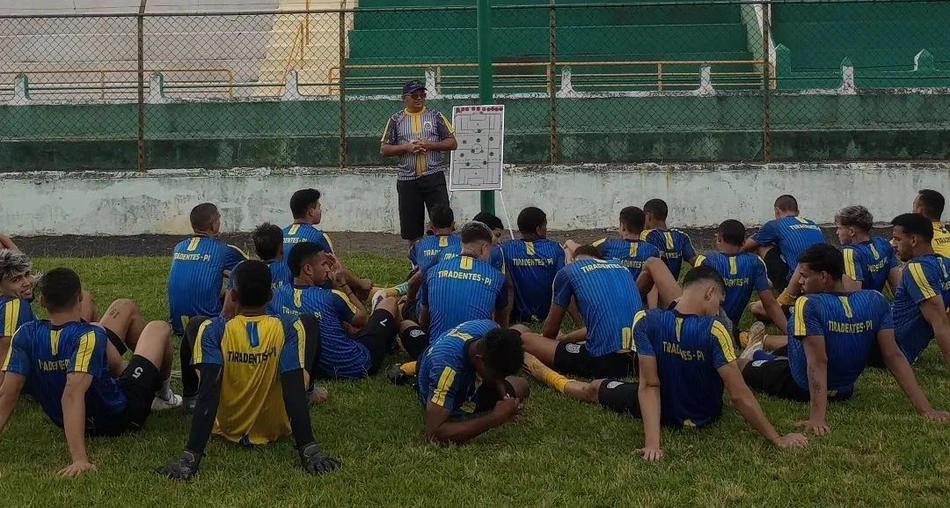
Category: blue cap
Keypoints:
(413, 86)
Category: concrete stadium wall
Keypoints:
(576, 197)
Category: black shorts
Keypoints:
(414, 341)
(139, 382)
(776, 268)
(487, 396)
(574, 359)
(774, 377)
(409, 311)
(417, 196)
(620, 396)
(379, 337)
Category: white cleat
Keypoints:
(169, 400)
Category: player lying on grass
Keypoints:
(65, 365)
(531, 262)
(607, 299)
(686, 358)
(831, 336)
(342, 356)
(253, 378)
(470, 370)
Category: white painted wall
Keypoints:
(580, 197)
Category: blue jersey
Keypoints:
(279, 275)
(46, 354)
(340, 356)
(924, 277)
(870, 262)
(607, 298)
(792, 236)
(742, 273)
(446, 376)
(299, 233)
(426, 251)
(197, 278)
(14, 313)
(849, 323)
(689, 352)
(674, 246)
(459, 290)
(630, 253)
(532, 267)
(496, 259)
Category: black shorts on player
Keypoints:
(379, 337)
(774, 377)
(620, 396)
(574, 359)
(776, 268)
(139, 382)
(414, 341)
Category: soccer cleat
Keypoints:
(167, 400)
(753, 340)
(398, 377)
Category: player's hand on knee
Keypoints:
(651, 454)
(182, 469)
(315, 462)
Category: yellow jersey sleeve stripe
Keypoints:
(645, 234)
(849, 267)
(301, 342)
(87, 345)
(800, 328)
(11, 314)
(442, 389)
(917, 272)
(196, 357)
(382, 138)
(349, 304)
(600, 242)
(235, 247)
(448, 124)
(6, 361)
(329, 242)
(725, 341)
(699, 260)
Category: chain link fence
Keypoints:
(724, 81)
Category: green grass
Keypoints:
(558, 453)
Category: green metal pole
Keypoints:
(485, 78)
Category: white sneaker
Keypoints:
(164, 401)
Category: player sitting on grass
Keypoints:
(686, 357)
(629, 249)
(253, 378)
(531, 263)
(743, 273)
(269, 246)
(469, 370)
(307, 212)
(930, 204)
(607, 299)
(196, 280)
(442, 224)
(831, 336)
(341, 357)
(779, 243)
(66, 366)
(868, 260)
(673, 244)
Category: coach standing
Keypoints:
(420, 137)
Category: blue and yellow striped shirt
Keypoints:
(427, 125)
(924, 277)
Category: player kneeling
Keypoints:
(253, 371)
(63, 363)
(449, 374)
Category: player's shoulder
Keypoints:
(679, 233)
(33, 328)
(476, 327)
(871, 296)
(602, 242)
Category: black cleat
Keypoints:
(399, 377)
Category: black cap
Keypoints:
(413, 86)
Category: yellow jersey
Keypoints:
(941, 241)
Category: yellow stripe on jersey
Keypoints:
(800, 328)
(847, 306)
(196, 352)
(874, 252)
(917, 272)
(298, 298)
(801, 220)
(679, 328)
(626, 340)
(466, 263)
(442, 389)
(293, 229)
(699, 260)
(636, 319)
(599, 242)
(386, 130)
(235, 247)
(733, 268)
(725, 341)
(349, 304)
(6, 361)
(849, 266)
(415, 125)
(529, 248)
(669, 239)
(634, 248)
(329, 243)
(87, 345)
(443, 241)
(11, 314)
(645, 234)
(193, 244)
(54, 341)
(448, 124)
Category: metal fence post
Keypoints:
(485, 95)
(552, 89)
(343, 130)
(140, 140)
(766, 84)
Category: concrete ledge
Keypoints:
(364, 199)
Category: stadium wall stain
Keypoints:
(364, 199)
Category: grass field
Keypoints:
(558, 453)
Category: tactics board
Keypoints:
(477, 162)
